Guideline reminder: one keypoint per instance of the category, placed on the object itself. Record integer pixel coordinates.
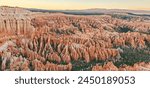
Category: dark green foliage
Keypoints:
(124, 29)
(124, 17)
(81, 65)
(131, 56)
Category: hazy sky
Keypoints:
(79, 4)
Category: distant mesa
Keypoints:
(15, 10)
(96, 11)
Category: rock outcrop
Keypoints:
(15, 20)
(142, 66)
(52, 41)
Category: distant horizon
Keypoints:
(78, 4)
(75, 9)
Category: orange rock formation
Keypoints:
(51, 41)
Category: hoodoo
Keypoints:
(62, 42)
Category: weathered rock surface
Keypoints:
(142, 66)
(51, 41)
(15, 20)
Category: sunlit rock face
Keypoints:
(59, 42)
(142, 66)
(15, 20)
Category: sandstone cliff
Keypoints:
(15, 20)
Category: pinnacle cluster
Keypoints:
(36, 41)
